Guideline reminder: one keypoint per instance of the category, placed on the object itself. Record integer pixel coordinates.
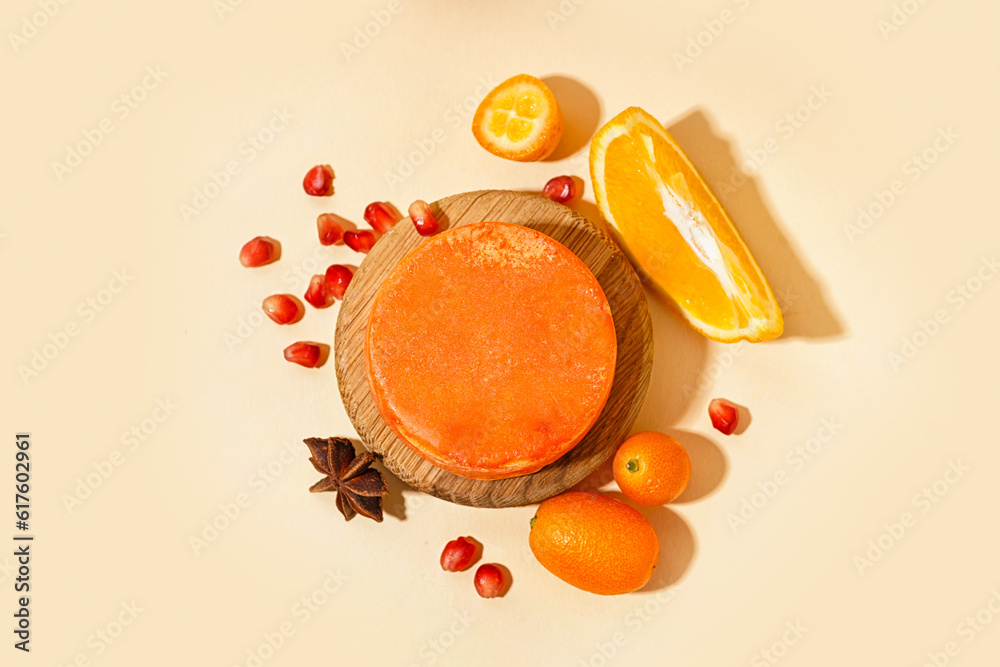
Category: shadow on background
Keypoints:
(677, 543)
(581, 113)
(598, 479)
(806, 310)
(677, 547)
(680, 357)
(394, 504)
(708, 466)
(680, 354)
(708, 469)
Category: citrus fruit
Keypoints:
(490, 350)
(651, 468)
(595, 543)
(674, 229)
(519, 120)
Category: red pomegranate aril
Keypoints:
(337, 278)
(490, 581)
(319, 181)
(560, 189)
(282, 308)
(458, 555)
(303, 354)
(361, 240)
(381, 216)
(330, 228)
(725, 415)
(423, 219)
(317, 294)
(258, 251)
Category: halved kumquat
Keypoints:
(519, 120)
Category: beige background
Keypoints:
(724, 591)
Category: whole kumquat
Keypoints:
(651, 468)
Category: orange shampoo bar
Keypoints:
(490, 350)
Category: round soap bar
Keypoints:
(490, 350)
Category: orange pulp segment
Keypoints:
(673, 228)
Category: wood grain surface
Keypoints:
(632, 327)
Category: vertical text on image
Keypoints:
(22, 542)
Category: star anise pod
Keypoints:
(360, 489)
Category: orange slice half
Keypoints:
(673, 228)
(519, 120)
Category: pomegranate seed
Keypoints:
(725, 415)
(560, 189)
(317, 294)
(330, 228)
(338, 277)
(282, 308)
(423, 219)
(381, 216)
(258, 251)
(490, 580)
(361, 240)
(303, 354)
(319, 181)
(458, 555)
